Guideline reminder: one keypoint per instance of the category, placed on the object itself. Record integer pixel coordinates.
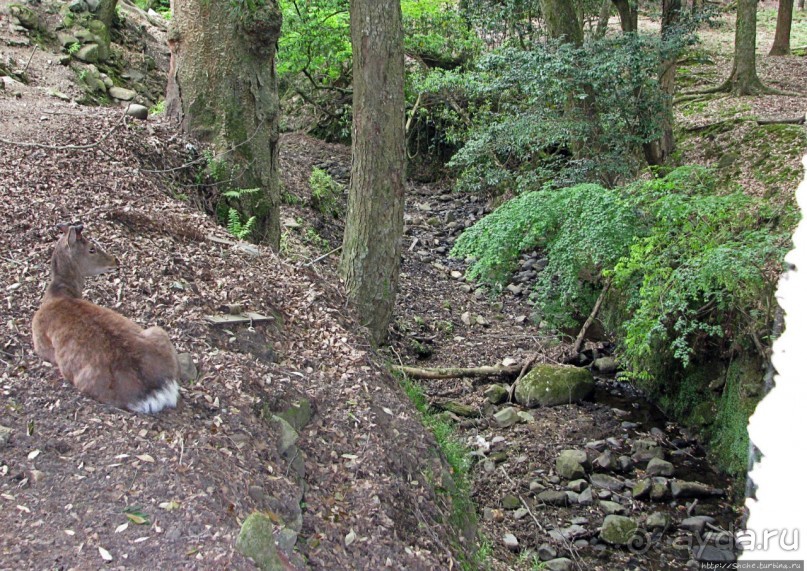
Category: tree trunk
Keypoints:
(743, 79)
(371, 254)
(628, 15)
(602, 21)
(784, 17)
(656, 152)
(801, 4)
(561, 21)
(223, 89)
(106, 13)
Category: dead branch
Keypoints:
(456, 372)
(797, 120)
(580, 336)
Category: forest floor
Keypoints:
(85, 486)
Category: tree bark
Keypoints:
(784, 18)
(656, 152)
(223, 89)
(561, 21)
(602, 21)
(106, 13)
(743, 79)
(371, 254)
(628, 15)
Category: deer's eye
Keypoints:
(92, 250)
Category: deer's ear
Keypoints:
(79, 227)
(63, 227)
(72, 234)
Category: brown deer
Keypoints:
(104, 354)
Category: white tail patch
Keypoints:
(164, 397)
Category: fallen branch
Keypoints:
(797, 120)
(580, 336)
(524, 368)
(456, 372)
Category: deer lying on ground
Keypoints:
(104, 354)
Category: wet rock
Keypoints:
(546, 552)
(559, 564)
(605, 365)
(641, 490)
(507, 417)
(624, 464)
(607, 482)
(618, 530)
(257, 541)
(657, 520)
(510, 541)
(137, 111)
(612, 507)
(570, 464)
(586, 498)
(682, 489)
(496, 394)
(577, 485)
(550, 385)
(573, 497)
(695, 524)
(553, 498)
(658, 467)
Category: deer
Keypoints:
(102, 353)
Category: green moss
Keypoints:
(729, 434)
(550, 385)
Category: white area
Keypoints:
(778, 427)
(158, 400)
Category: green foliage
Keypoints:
(73, 48)
(325, 193)
(689, 267)
(729, 438)
(158, 108)
(235, 225)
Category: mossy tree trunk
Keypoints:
(656, 152)
(561, 21)
(106, 13)
(743, 79)
(371, 253)
(628, 14)
(222, 87)
(784, 18)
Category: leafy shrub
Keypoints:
(235, 225)
(325, 193)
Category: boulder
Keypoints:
(618, 530)
(121, 93)
(553, 498)
(641, 490)
(257, 541)
(551, 385)
(507, 417)
(607, 482)
(510, 541)
(682, 489)
(559, 564)
(658, 467)
(570, 464)
(605, 365)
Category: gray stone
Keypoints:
(507, 417)
(641, 490)
(288, 436)
(510, 502)
(496, 394)
(607, 482)
(77, 6)
(27, 17)
(298, 414)
(658, 467)
(682, 489)
(657, 520)
(618, 530)
(92, 5)
(573, 497)
(187, 368)
(612, 507)
(510, 541)
(696, 523)
(286, 539)
(550, 385)
(122, 93)
(5, 434)
(569, 464)
(605, 365)
(585, 498)
(660, 489)
(66, 40)
(559, 564)
(605, 461)
(536, 486)
(577, 485)
(711, 554)
(624, 464)
(526, 416)
(520, 513)
(553, 498)
(88, 53)
(257, 541)
(137, 111)
(546, 552)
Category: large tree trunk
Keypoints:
(371, 253)
(107, 14)
(561, 21)
(784, 17)
(743, 79)
(628, 14)
(222, 87)
(656, 152)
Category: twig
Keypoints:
(322, 257)
(526, 367)
(36, 47)
(523, 502)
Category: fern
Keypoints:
(236, 227)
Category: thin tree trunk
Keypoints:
(628, 15)
(743, 79)
(784, 18)
(602, 21)
(223, 89)
(371, 252)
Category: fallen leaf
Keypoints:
(137, 519)
(24, 509)
(145, 458)
(121, 527)
(105, 555)
(33, 454)
(350, 538)
(169, 506)
(70, 532)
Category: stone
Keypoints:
(712, 554)
(288, 436)
(122, 93)
(641, 490)
(510, 541)
(5, 434)
(612, 507)
(88, 53)
(573, 497)
(298, 414)
(682, 489)
(77, 6)
(510, 502)
(551, 385)
(27, 17)
(624, 464)
(536, 486)
(569, 464)
(657, 520)
(659, 489)
(559, 564)
(286, 539)
(526, 416)
(607, 482)
(496, 394)
(618, 530)
(598, 445)
(458, 408)
(605, 461)
(66, 40)
(520, 513)
(553, 498)
(658, 467)
(546, 552)
(577, 485)
(507, 417)
(92, 5)
(645, 450)
(187, 368)
(585, 498)
(257, 541)
(605, 365)
(696, 523)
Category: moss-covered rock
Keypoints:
(551, 385)
(27, 17)
(298, 414)
(618, 530)
(257, 541)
